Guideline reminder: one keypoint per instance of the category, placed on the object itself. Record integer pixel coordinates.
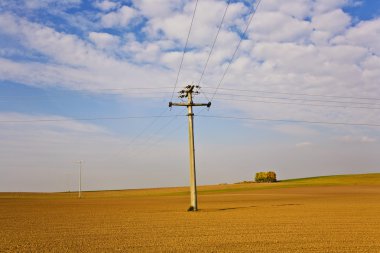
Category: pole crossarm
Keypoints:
(191, 104)
(188, 92)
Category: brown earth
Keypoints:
(298, 219)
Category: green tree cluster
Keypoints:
(265, 177)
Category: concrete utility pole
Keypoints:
(188, 92)
(80, 179)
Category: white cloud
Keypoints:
(333, 22)
(296, 8)
(143, 52)
(61, 47)
(104, 40)
(157, 8)
(76, 64)
(279, 56)
(106, 5)
(301, 46)
(296, 130)
(356, 139)
(121, 17)
(344, 53)
(175, 26)
(282, 27)
(322, 6)
(16, 121)
(365, 34)
(303, 144)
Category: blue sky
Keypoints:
(300, 60)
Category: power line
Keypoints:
(297, 99)
(133, 140)
(184, 50)
(297, 94)
(61, 95)
(290, 103)
(147, 144)
(159, 140)
(121, 89)
(147, 127)
(101, 89)
(290, 121)
(164, 126)
(213, 45)
(132, 88)
(135, 91)
(253, 12)
(89, 119)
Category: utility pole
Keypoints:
(80, 179)
(189, 92)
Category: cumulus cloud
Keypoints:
(365, 34)
(282, 27)
(120, 17)
(356, 139)
(76, 63)
(312, 48)
(299, 9)
(330, 24)
(106, 5)
(104, 40)
(322, 6)
(16, 121)
(157, 8)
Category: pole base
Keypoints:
(191, 209)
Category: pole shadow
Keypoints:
(226, 209)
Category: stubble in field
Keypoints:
(340, 218)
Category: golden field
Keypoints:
(324, 214)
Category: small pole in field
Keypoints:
(80, 179)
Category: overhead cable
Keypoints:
(253, 12)
(213, 45)
(297, 94)
(290, 121)
(184, 50)
(302, 104)
(298, 99)
(89, 119)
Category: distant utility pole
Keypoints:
(189, 92)
(80, 179)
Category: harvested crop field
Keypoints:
(326, 214)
